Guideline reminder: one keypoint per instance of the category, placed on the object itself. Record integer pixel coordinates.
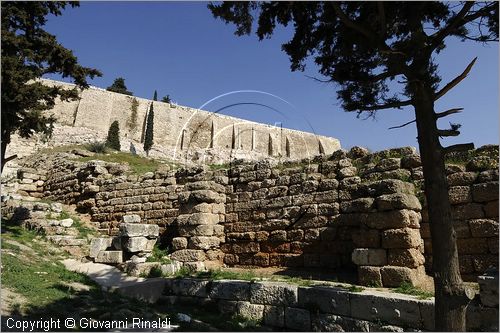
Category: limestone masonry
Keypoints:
(181, 131)
(353, 210)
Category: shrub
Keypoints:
(97, 147)
(132, 122)
(119, 86)
(113, 139)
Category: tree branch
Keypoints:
(381, 12)
(459, 147)
(390, 105)
(448, 112)
(405, 124)
(351, 24)
(455, 81)
(448, 132)
(439, 36)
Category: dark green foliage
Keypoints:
(113, 139)
(119, 86)
(97, 147)
(155, 96)
(28, 52)
(132, 122)
(148, 137)
(363, 45)
(166, 99)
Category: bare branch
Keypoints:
(405, 124)
(391, 105)
(448, 132)
(448, 112)
(459, 147)
(319, 80)
(455, 81)
(351, 24)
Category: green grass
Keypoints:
(408, 289)
(223, 166)
(355, 289)
(159, 255)
(138, 164)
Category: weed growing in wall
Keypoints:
(132, 121)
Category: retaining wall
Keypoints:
(349, 209)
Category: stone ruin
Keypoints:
(352, 211)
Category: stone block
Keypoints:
(412, 258)
(394, 276)
(109, 257)
(325, 299)
(250, 311)
(136, 229)
(460, 194)
(462, 178)
(203, 242)
(391, 219)
(369, 276)
(369, 257)
(382, 307)
(190, 287)
(491, 208)
(467, 211)
(196, 230)
(274, 316)
(139, 244)
(485, 192)
(179, 243)
(273, 293)
(198, 219)
(206, 196)
(398, 201)
(230, 290)
(401, 238)
(483, 228)
(361, 205)
(188, 255)
(99, 244)
(388, 164)
(133, 218)
(66, 223)
(297, 319)
(484, 262)
(366, 238)
(472, 245)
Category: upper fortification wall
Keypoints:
(185, 130)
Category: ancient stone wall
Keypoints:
(285, 306)
(349, 209)
(183, 131)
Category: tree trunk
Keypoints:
(5, 142)
(451, 295)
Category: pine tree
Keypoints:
(28, 52)
(119, 86)
(148, 137)
(166, 99)
(155, 96)
(113, 139)
(381, 55)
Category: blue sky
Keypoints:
(179, 49)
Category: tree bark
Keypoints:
(5, 142)
(451, 296)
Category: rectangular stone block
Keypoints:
(369, 276)
(188, 255)
(459, 194)
(99, 244)
(190, 287)
(274, 316)
(109, 257)
(369, 257)
(411, 258)
(297, 319)
(230, 290)
(483, 228)
(132, 218)
(485, 192)
(398, 201)
(326, 299)
(401, 238)
(136, 229)
(203, 242)
(382, 307)
(273, 293)
(139, 244)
